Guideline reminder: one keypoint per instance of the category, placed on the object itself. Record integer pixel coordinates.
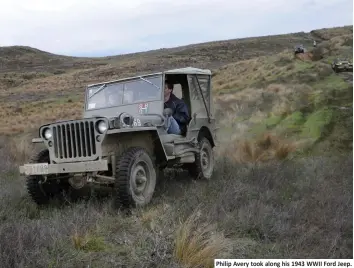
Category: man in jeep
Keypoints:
(176, 112)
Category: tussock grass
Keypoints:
(198, 244)
(266, 148)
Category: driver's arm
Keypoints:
(181, 115)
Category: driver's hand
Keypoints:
(167, 112)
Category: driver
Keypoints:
(176, 112)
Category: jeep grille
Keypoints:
(74, 141)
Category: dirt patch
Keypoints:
(307, 56)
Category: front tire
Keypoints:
(41, 193)
(135, 178)
(203, 167)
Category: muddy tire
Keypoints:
(135, 179)
(42, 193)
(203, 167)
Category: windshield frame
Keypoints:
(125, 80)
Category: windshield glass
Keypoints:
(141, 89)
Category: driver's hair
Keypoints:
(169, 85)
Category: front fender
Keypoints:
(130, 129)
(126, 135)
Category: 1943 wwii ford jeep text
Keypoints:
(125, 145)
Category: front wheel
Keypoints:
(135, 178)
(203, 167)
(41, 191)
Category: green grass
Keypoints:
(292, 123)
(273, 120)
(331, 82)
(317, 124)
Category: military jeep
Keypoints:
(121, 141)
(339, 65)
(299, 49)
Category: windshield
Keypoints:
(141, 89)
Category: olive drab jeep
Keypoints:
(121, 141)
(340, 65)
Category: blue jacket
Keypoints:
(180, 111)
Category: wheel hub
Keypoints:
(139, 179)
(204, 159)
(77, 182)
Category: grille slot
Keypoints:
(74, 140)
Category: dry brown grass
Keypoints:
(87, 242)
(274, 99)
(20, 118)
(21, 148)
(249, 205)
(328, 33)
(341, 46)
(239, 75)
(266, 148)
(16, 150)
(262, 71)
(198, 244)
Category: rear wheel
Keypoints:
(203, 167)
(135, 178)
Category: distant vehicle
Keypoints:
(121, 142)
(299, 49)
(339, 65)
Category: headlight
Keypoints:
(47, 133)
(102, 126)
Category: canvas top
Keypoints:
(188, 70)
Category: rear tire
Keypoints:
(135, 178)
(203, 167)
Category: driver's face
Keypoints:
(167, 91)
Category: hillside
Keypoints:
(52, 76)
(19, 58)
(283, 183)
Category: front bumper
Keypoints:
(79, 167)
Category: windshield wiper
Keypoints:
(147, 81)
(98, 90)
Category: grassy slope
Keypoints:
(301, 100)
(297, 208)
(25, 90)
